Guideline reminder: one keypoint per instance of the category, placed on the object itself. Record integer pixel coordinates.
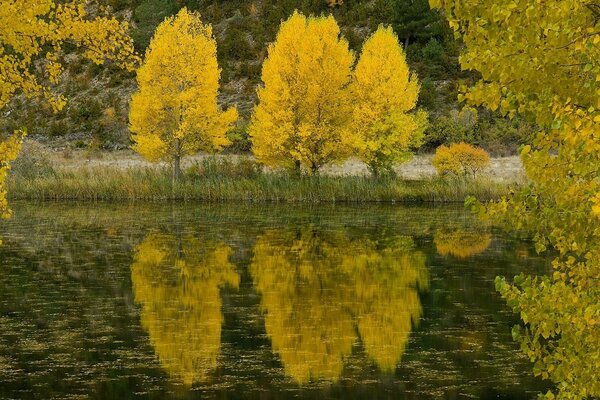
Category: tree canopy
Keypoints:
(385, 122)
(175, 112)
(303, 106)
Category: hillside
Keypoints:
(96, 115)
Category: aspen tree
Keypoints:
(542, 60)
(386, 124)
(303, 107)
(175, 113)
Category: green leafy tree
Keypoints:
(413, 20)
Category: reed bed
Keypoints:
(225, 183)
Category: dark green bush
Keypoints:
(240, 142)
(147, 16)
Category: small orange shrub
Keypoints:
(460, 159)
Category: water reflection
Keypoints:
(321, 292)
(176, 279)
(91, 306)
(461, 243)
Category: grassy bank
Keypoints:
(154, 184)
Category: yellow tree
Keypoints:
(303, 108)
(177, 282)
(175, 113)
(385, 123)
(32, 37)
(542, 59)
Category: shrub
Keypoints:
(460, 159)
(456, 127)
(433, 50)
(147, 16)
(32, 162)
(240, 142)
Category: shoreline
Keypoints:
(44, 175)
(154, 184)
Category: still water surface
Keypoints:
(271, 302)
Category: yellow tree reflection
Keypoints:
(461, 243)
(319, 290)
(385, 287)
(305, 315)
(177, 280)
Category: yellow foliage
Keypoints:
(303, 110)
(316, 296)
(175, 113)
(34, 33)
(540, 59)
(384, 283)
(334, 3)
(177, 280)
(9, 150)
(460, 159)
(461, 243)
(385, 123)
(596, 206)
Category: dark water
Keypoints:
(269, 302)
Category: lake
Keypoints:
(267, 301)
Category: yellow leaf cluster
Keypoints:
(175, 112)
(9, 150)
(32, 36)
(541, 60)
(596, 205)
(460, 159)
(301, 118)
(384, 92)
(36, 31)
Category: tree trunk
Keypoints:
(406, 42)
(314, 169)
(177, 161)
(297, 168)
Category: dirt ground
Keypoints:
(501, 169)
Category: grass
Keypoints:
(214, 184)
